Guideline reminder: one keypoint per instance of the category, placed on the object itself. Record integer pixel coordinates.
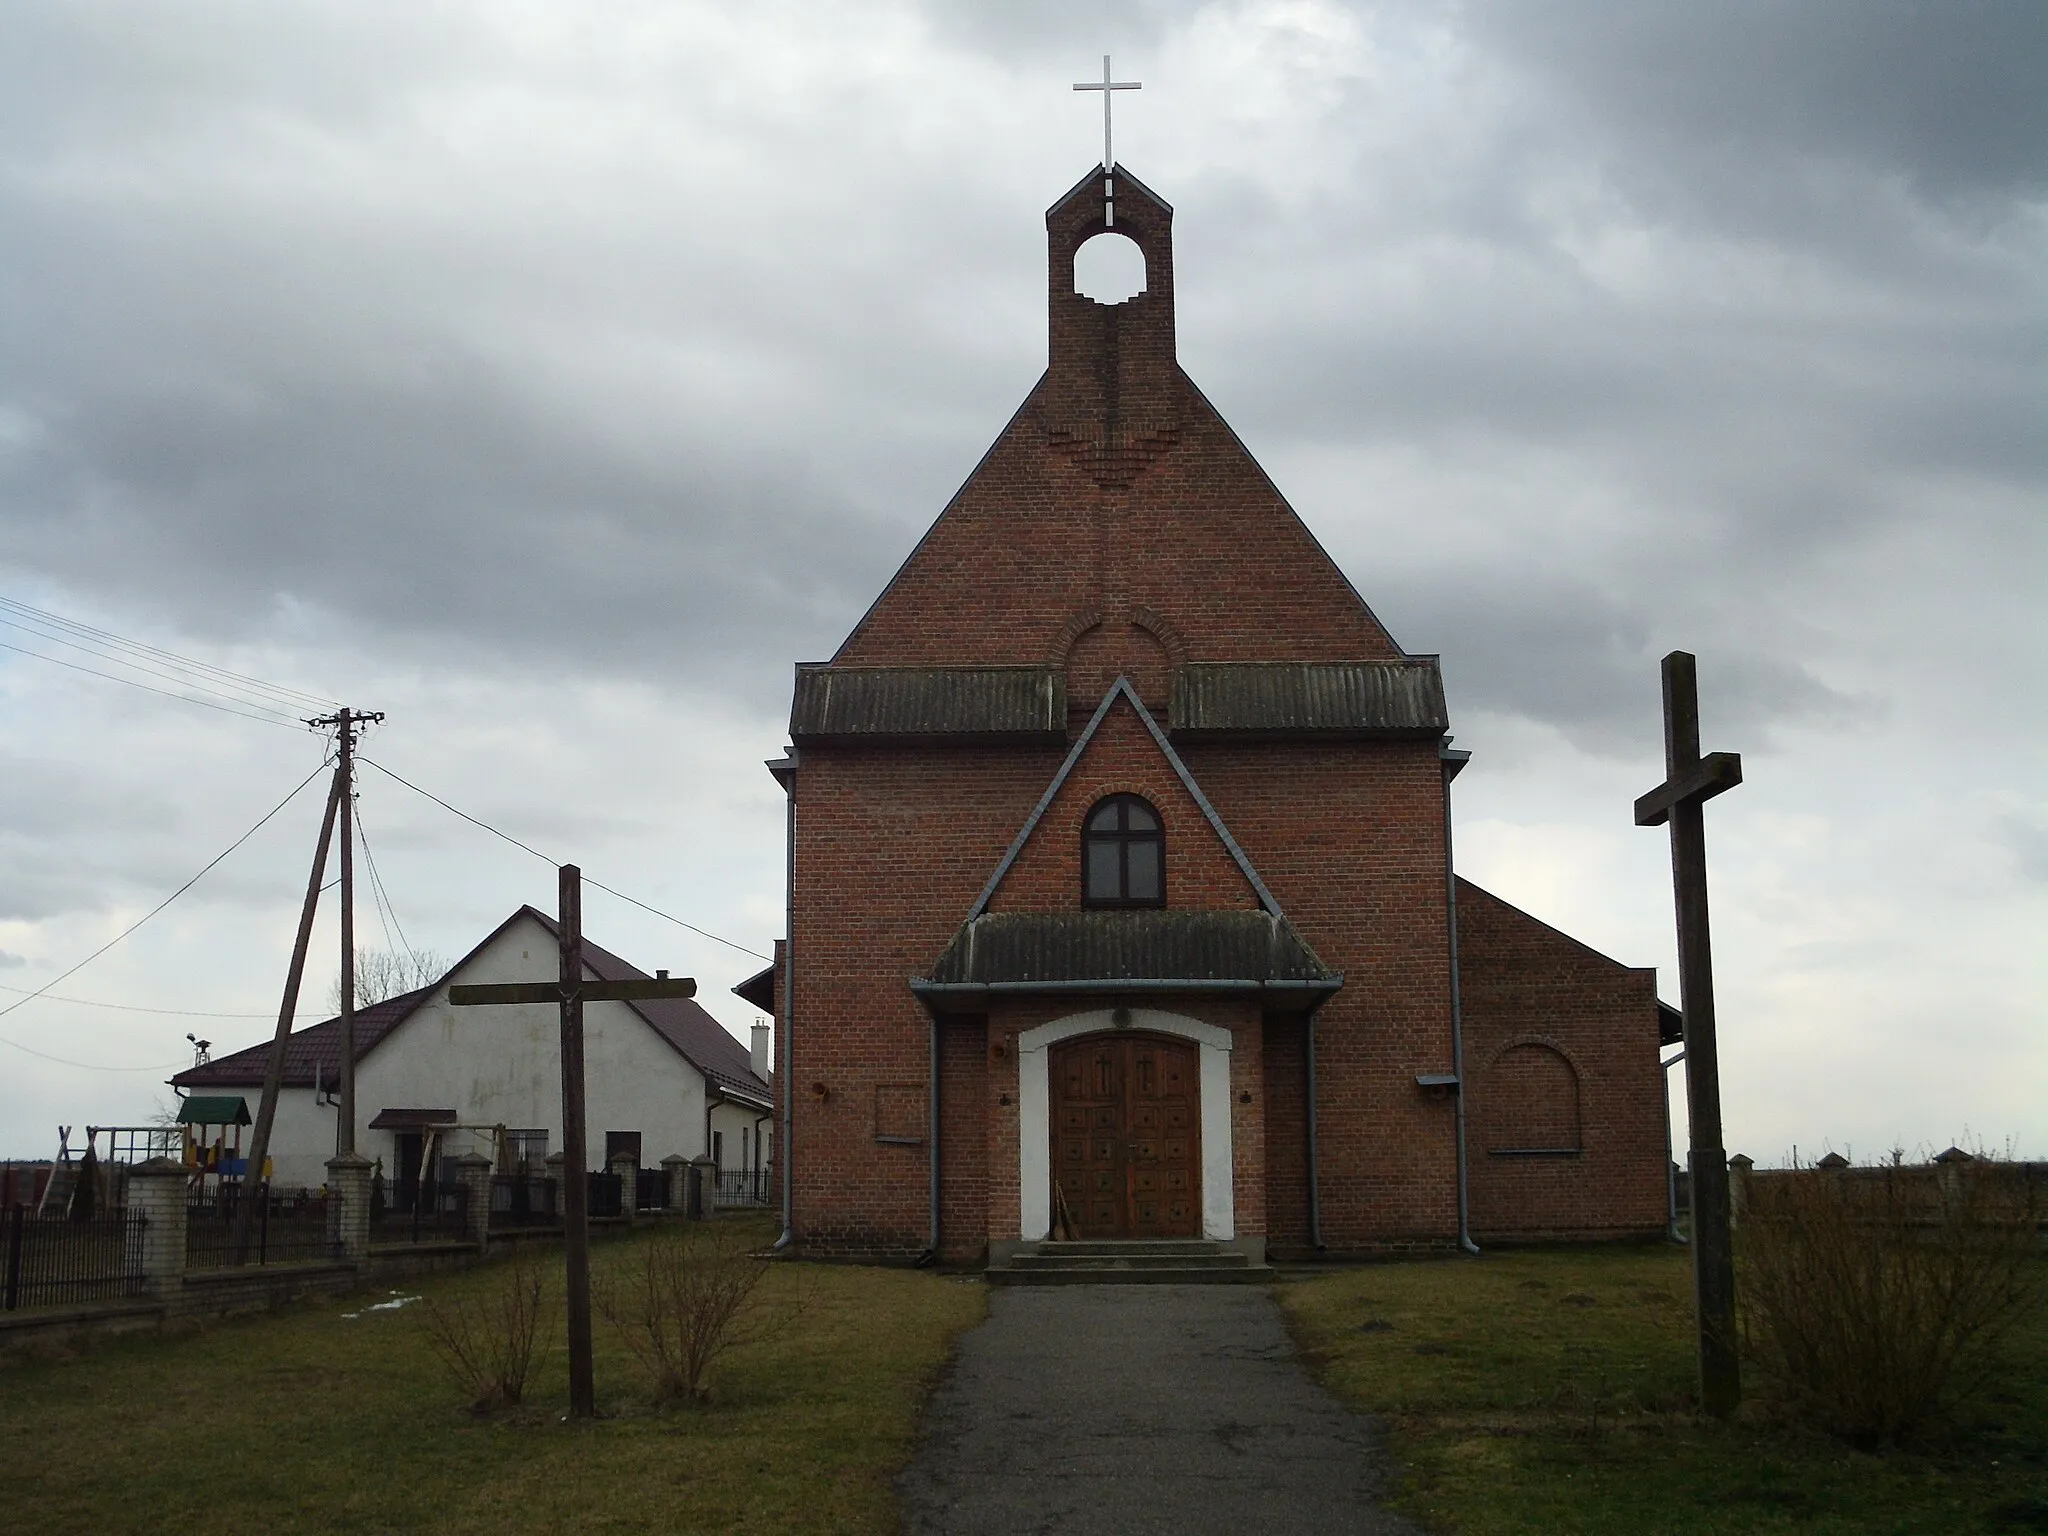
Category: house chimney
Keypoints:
(762, 1035)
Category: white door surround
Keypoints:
(1034, 1112)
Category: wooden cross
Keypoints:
(1689, 782)
(1108, 86)
(571, 990)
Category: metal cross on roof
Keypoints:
(1107, 85)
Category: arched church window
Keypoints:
(1123, 855)
(1531, 1102)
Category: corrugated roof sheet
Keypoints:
(1345, 698)
(978, 703)
(1013, 947)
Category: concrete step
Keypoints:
(1109, 1272)
(1193, 1247)
(1044, 1260)
(1177, 1261)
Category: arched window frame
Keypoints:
(1123, 837)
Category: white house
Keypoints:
(661, 1077)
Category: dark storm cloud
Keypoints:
(275, 342)
(1951, 94)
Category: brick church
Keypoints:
(1121, 894)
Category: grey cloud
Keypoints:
(1951, 94)
(1584, 662)
(9, 961)
(2027, 841)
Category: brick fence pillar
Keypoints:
(626, 1169)
(1739, 1167)
(156, 1192)
(707, 1184)
(675, 1169)
(473, 1173)
(348, 1206)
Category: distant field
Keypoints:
(1551, 1393)
(313, 1421)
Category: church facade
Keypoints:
(1121, 896)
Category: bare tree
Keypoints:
(382, 973)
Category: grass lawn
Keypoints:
(315, 1421)
(1552, 1392)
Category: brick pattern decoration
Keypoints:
(1546, 1016)
(1118, 526)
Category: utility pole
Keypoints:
(273, 1069)
(1690, 780)
(346, 722)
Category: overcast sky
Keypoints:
(552, 378)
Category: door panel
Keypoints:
(1126, 1135)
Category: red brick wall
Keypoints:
(1123, 759)
(963, 1145)
(1286, 1067)
(1349, 838)
(1115, 489)
(891, 850)
(1522, 982)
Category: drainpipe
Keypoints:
(1671, 1231)
(931, 1131)
(785, 1153)
(1452, 763)
(1315, 1186)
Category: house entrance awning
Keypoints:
(412, 1119)
(214, 1109)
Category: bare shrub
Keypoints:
(685, 1296)
(1872, 1296)
(494, 1341)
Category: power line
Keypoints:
(90, 1066)
(252, 697)
(145, 687)
(387, 914)
(175, 1013)
(529, 848)
(152, 912)
(296, 699)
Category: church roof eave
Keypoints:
(1153, 950)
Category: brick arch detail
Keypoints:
(1164, 630)
(1072, 631)
(1581, 1113)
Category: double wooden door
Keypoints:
(1127, 1152)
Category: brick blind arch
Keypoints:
(1531, 1101)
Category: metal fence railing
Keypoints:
(56, 1261)
(293, 1227)
(744, 1186)
(524, 1200)
(651, 1190)
(430, 1211)
(607, 1194)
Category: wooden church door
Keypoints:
(1127, 1135)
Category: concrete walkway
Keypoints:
(1134, 1409)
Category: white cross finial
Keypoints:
(1106, 86)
